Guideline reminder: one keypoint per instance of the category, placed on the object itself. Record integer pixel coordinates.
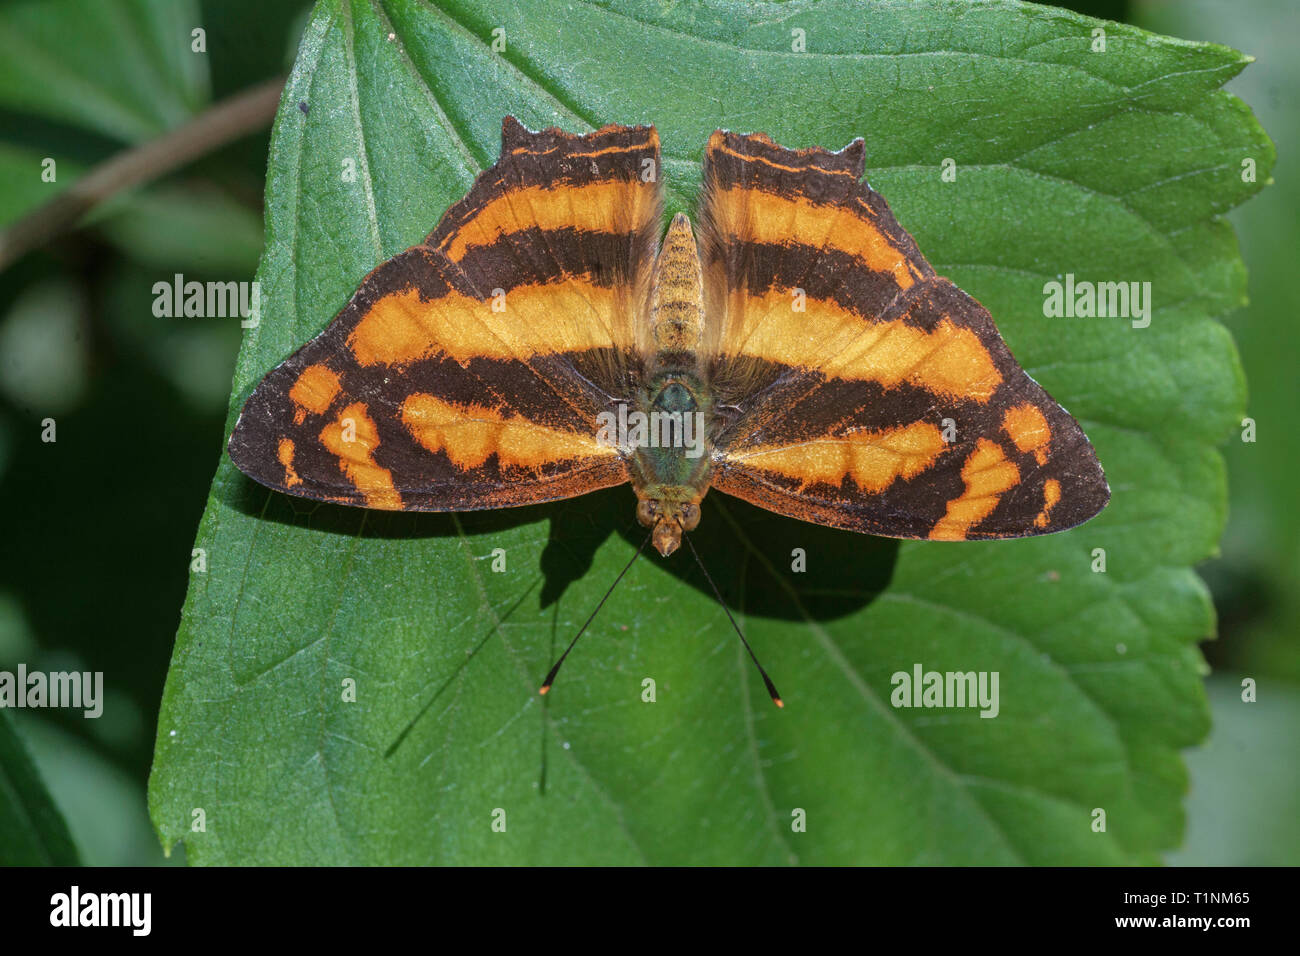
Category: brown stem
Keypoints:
(228, 120)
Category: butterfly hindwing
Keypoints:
(866, 392)
(468, 371)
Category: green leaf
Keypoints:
(32, 831)
(1111, 165)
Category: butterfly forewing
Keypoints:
(468, 371)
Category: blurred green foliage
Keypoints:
(32, 830)
(1244, 803)
(101, 523)
(100, 526)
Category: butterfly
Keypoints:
(542, 342)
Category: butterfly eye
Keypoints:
(646, 512)
(690, 516)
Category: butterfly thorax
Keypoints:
(670, 469)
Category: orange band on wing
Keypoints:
(1028, 428)
(650, 144)
(949, 360)
(471, 434)
(284, 453)
(1051, 495)
(570, 315)
(717, 142)
(313, 392)
(353, 438)
(607, 206)
(988, 474)
(873, 459)
(753, 215)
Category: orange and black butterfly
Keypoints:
(800, 353)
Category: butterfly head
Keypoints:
(668, 518)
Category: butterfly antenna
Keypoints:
(550, 678)
(771, 688)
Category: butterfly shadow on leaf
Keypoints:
(578, 526)
(764, 564)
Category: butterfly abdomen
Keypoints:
(677, 301)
